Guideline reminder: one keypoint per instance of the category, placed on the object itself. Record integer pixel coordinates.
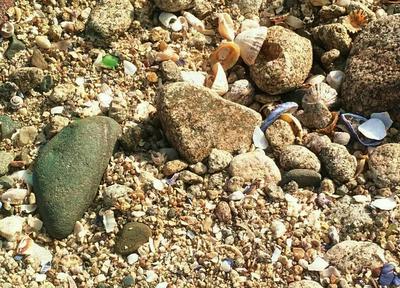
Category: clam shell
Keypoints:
(227, 54)
(384, 203)
(129, 68)
(351, 121)
(226, 27)
(335, 79)
(259, 139)
(28, 247)
(250, 43)
(384, 117)
(373, 129)
(194, 21)
(167, 19)
(7, 30)
(43, 42)
(220, 84)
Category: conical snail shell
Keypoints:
(250, 42)
(220, 84)
(225, 26)
(227, 54)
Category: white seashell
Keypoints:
(151, 276)
(28, 247)
(138, 214)
(129, 68)
(7, 30)
(11, 226)
(259, 139)
(250, 43)
(104, 100)
(315, 79)
(321, 91)
(180, 24)
(236, 196)
(276, 254)
(278, 229)
(226, 27)
(373, 129)
(220, 84)
(335, 79)
(194, 21)
(16, 102)
(384, 117)
(249, 24)
(194, 77)
(167, 19)
(132, 258)
(34, 223)
(43, 42)
(319, 264)
(162, 285)
(384, 204)
(109, 221)
(362, 198)
(14, 195)
(158, 184)
(294, 22)
(57, 110)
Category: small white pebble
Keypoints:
(236, 196)
(40, 277)
(132, 258)
(162, 285)
(158, 184)
(151, 276)
(57, 110)
(226, 266)
(129, 68)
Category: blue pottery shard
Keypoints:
(386, 279)
(352, 121)
(396, 281)
(387, 268)
(287, 107)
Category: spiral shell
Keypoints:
(227, 54)
(250, 43)
(16, 102)
(220, 84)
(7, 30)
(225, 26)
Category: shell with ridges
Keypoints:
(220, 84)
(250, 43)
(225, 26)
(227, 54)
(320, 92)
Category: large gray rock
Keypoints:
(384, 165)
(284, 63)
(108, 20)
(372, 82)
(69, 169)
(196, 119)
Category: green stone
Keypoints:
(6, 182)
(110, 61)
(47, 84)
(128, 281)
(7, 127)
(14, 47)
(132, 236)
(68, 171)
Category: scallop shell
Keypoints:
(335, 79)
(250, 43)
(194, 21)
(220, 84)
(225, 26)
(320, 92)
(167, 54)
(43, 42)
(7, 30)
(227, 54)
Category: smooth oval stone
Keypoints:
(303, 177)
(7, 127)
(69, 169)
(132, 236)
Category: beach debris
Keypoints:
(319, 264)
(287, 107)
(353, 121)
(250, 42)
(373, 129)
(259, 139)
(384, 203)
(227, 54)
(226, 27)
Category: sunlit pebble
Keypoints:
(151, 276)
(132, 258)
(226, 266)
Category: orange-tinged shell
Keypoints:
(294, 124)
(220, 84)
(355, 21)
(167, 54)
(250, 43)
(226, 27)
(227, 54)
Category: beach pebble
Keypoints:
(342, 138)
(132, 258)
(5, 160)
(384, 165)
(223, 212)
(27, 78)
(132, 236)
(241, 92)
(304, 284)
(196, 119)
(315, 142)
(174, 5)
(338, 162)
(170, 71)
(174, 166)
(109, 19)
(333, 36)
(7, 127)
(190, 178)
(370, 85)
(285, 65)
(62, 93)
(303, 177)
(11, 226)
(255, 165)
(26, 136)
(278, 228)
(298, 157)
(218, 160)
(353, 256)
(280, 134)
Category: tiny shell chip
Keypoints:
(276, 254)
(362, 198)
(14, 195)
(373, 129)
(109, 221)
(227, 54)
(132, 258)
(250, 43)
(259, 139)
(162, 285)
(384, 117)
(236, 196)
(158, 185)
(318, 265)
(167, 19)
(194, 21)
(129, 68)
(384, 204)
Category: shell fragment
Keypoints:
(373, 129)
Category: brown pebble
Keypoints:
(223, 212)
(152, 77)
(298, 253)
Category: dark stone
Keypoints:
(14, 47)
(132, 236)
(69, 169)
(7, 127)
(303, 177)
(128, 281)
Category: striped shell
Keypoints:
(250, 43)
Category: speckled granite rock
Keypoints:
(196, 119)
(353, 256)
(280, 134)
(248, 8)
(333, 36)
(4, 6)
(109, 19)
(372, 82)
(338, 162)
(384, 165)
(284, 63)
(298, 157)
(68, 171)
(304, 284)
(174, 5)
